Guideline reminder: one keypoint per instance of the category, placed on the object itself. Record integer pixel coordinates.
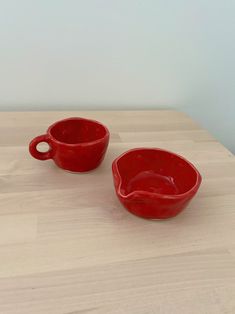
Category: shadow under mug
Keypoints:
(76, 144)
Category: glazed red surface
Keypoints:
(76, 144)
(154, 183)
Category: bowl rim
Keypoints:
(139, 193)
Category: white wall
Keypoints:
(71, 54)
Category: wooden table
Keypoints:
(67, 246)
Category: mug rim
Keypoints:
(83, 143)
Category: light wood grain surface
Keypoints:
(67, 246)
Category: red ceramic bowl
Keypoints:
(154, 183)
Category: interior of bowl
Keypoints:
(77, 130)
(155, 171)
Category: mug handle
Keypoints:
(33, 147)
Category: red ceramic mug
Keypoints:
(76, 144)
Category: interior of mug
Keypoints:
(155, 171)
(77, 130)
